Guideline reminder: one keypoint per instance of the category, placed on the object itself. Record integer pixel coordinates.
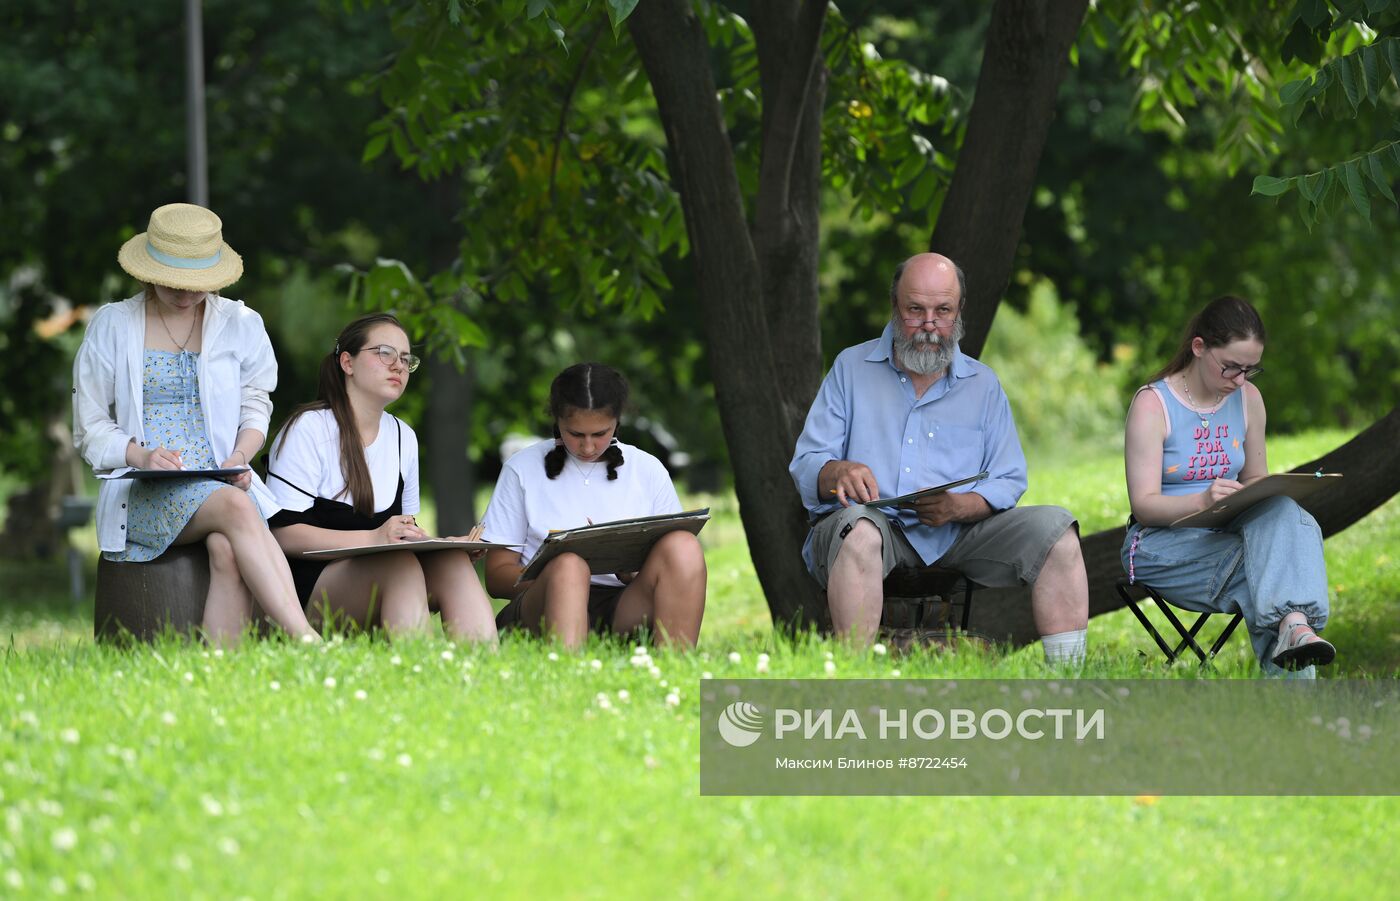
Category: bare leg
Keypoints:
(668, 593)
(383, 589)
(228, 607)
(454, 589)
(230, 512)
(557, 603)
(1060, 595)
(854, 588)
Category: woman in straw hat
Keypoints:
(345, 473)
(178, 377)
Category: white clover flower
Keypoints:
(602, 700)
(275, 685)
(57, 886)
(85, 882)
(830, 656)
(329, 681)
(64, 839)
(673, 699)
(69, 736)
(830, 667)
(655, 672)
(360, 694)
(551, 656)
(228, 845)
(181, 862)
(734, 657)
(763, 658)
(375, 754)
(308, 638)
(623, 695)
(640, 650)
(395, 660)
(29, 718)
(895, 673)
(13, 879)
(189, 677)
(404, 760)
(595, 664)
(446, 655)
(879, 649)
(218, 652)
(168, 718)
(417, 668)
(211, 806)
(707, 675)
(762, 666)
(505, 674)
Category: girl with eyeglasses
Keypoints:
(585, 475)
(179, 377)
(1195, 435)
(346, 474)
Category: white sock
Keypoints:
(1065, 647)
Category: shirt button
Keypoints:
(123, 506)
(906, 469)
(901, 378)
(911, 440)
(123, 528)
(930, 434)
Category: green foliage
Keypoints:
(1063, 398)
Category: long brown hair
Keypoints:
(331, 395)
(1220, 322)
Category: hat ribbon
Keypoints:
(184, 262)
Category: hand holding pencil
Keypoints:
(848, 481)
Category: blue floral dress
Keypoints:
(159, 509)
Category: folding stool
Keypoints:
(1188, 636)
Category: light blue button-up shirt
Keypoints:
(866, 411)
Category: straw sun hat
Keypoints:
(182, 247)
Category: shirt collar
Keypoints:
(883, 351)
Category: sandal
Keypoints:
(1295, 650)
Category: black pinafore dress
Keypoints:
(328, 514)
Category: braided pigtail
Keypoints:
(554, 460)
(613, 456)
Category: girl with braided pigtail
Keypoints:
(585, 475)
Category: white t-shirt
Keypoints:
(527, 504)
(310, 460)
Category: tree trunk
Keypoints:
(979, 226)
(451, 393)
(760, 427)
(1372, 478)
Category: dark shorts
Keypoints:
(1002, 551)
(602, 607)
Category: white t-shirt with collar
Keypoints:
(310, 460)
(527, 504)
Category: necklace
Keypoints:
(1205, 423)
(586, 473)
(179, 344)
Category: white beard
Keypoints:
(925, 353)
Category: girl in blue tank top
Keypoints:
(1195, 434)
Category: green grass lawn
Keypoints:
(420, 769)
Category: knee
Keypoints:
(681, 551)
(220, 553)
(402, 567)
(863, 543)
(1066, 550)
(235, 507)
(567, 568)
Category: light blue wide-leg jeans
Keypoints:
(1265, 564)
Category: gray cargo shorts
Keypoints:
(1004, 550)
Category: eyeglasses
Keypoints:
(1230, 372)
(921, 322)
(389, 355)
